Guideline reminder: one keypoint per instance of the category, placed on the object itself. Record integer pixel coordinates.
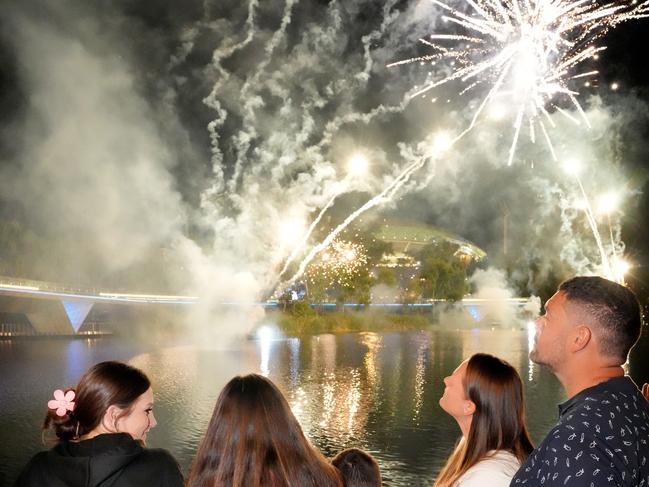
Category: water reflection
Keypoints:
(531, 334)
(294, 364)
(373, 343)
(375, 391)
(420, 372)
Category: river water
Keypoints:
(376, 391)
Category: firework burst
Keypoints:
(338, 264)
(528, 52)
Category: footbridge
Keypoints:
(57, 309)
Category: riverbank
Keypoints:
(349, 321)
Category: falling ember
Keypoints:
(574, 167)
(338, 264)
(357, 167)
(528, 52)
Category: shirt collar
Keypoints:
(616, 384)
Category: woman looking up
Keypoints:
(101, 427)
(253, 440)
(485, 396)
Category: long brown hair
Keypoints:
(253, 440)
(103, 385)
(358, 468)
(498, 422)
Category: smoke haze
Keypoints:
(174, 143)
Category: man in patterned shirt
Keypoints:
(602, 437)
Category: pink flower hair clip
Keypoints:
(62, 402)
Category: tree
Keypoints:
(341, 272)
(442, 274)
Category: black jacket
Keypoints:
(109, 460)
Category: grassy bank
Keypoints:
(348, 321)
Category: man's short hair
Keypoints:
(614, 309)
(358, 468)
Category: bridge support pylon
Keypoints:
(58, 317)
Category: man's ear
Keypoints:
(581, 337)
(469, 407)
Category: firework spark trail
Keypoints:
(333, 126)
(385, 195)
(298, 248)
(360, 80)
(612, 237)
(251, 103)
(252, 100)
(388, 18)
(212, 100)
(608, 273)
(530, 47)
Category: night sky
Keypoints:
(626, 63)
(106, 134)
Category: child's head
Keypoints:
(359, 469)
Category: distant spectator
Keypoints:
(358, 468)
(253, 440)
(101, 427)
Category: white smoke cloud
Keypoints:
(287, 92)
(94, 167)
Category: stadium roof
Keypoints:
(410, 236)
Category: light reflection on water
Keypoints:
(376, 391)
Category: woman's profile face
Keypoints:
(454, 400)
(140, 419)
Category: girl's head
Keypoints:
(254, 440)
(358, 468)
(111, 397)
(485, 396)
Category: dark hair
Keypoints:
(358, 468)
(613, 307)
(498, 422)
(254, 440)
(103, 385)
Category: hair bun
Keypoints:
(60, 414)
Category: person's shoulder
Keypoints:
(606, 410)
(495, 470)
(158, 456)
(32, 473)
(617, 393)
(501, 459)
(162, 463)
(39, 457)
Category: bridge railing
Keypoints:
(36, 285)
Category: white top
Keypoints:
(495, 470)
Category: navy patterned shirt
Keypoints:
(601, 439)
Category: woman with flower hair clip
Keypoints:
(101, 427)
